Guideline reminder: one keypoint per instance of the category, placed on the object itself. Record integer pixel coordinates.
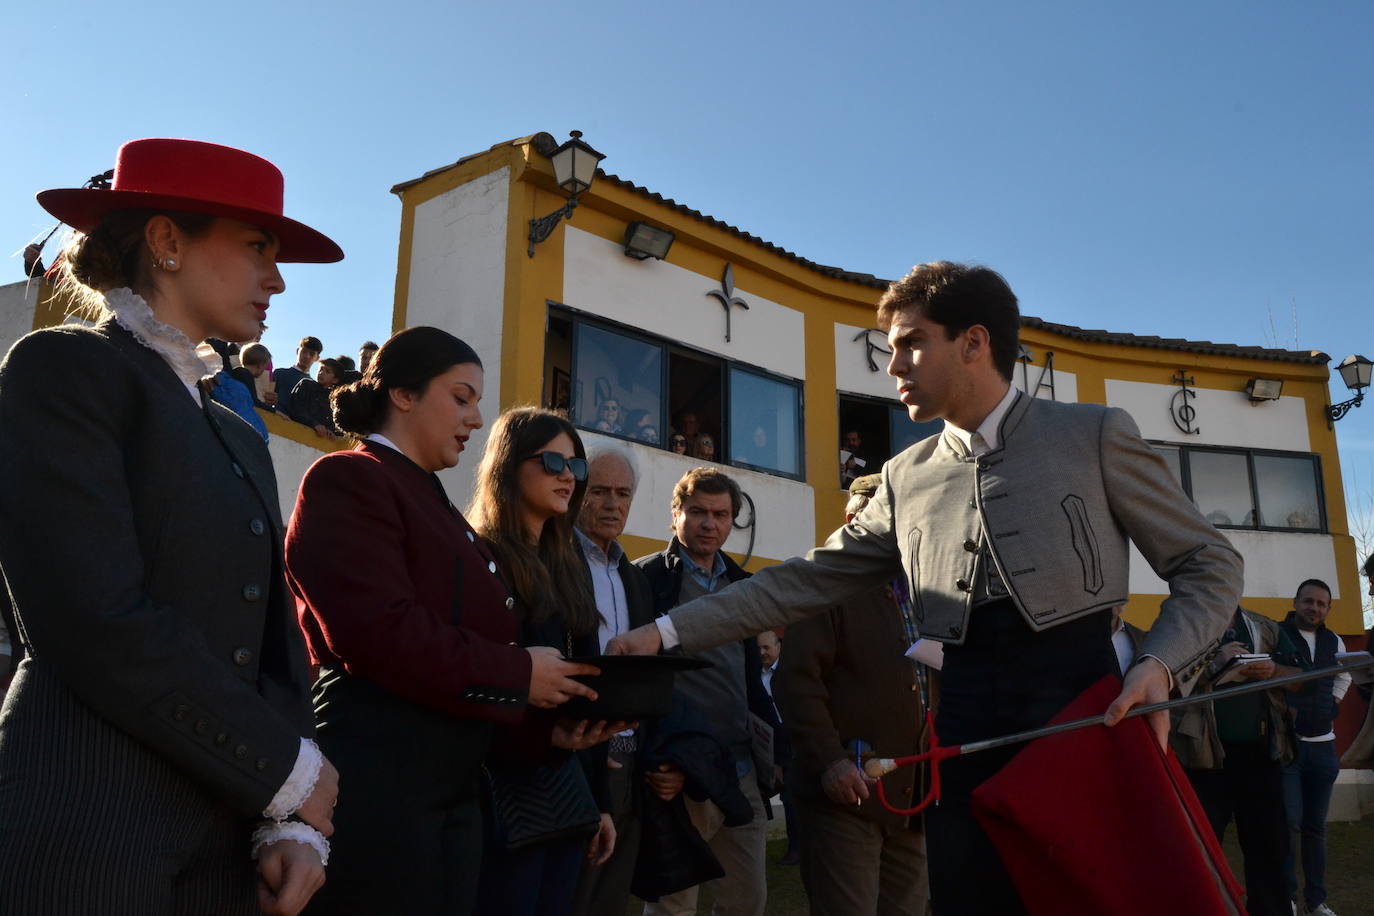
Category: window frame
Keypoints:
(579, 317)
(1186, 480)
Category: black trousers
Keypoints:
(410, 824)
(1005, 678)
(1249, 788)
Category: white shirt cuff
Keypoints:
(1164, 666)
(667, 633)
(299, 784)
(276, 831)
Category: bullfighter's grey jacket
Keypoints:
(1052, 507)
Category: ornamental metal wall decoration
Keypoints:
(1180, 411)
(726, 296)
(1046, 377)
(866, 335)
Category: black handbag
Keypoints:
(550, 802)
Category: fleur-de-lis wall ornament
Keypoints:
(726, 296)
(866, 335)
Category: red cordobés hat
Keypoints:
(196, 177)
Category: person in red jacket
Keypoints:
(405, 612)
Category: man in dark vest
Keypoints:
(1309, 778)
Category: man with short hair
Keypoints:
(253, 362)
(1308, 780)
(1012, 527)
(624, 599)
(855, 460)
(1233, 750)
(307, 354)
(365, 353)
(705, 504)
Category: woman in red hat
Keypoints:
(157, 738)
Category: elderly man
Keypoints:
(858, 858)
(624, 600)
(1012, 528)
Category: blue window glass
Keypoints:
(764, 422)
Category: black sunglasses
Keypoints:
(554, 463)
(677, 440)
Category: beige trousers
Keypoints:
(744, 889)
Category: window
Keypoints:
(626, 383)
(765, 422)
(1246, 488)
(872, 430)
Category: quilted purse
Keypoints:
(554, 803)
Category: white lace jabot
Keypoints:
(135, 316)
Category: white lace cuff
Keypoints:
(276, 831)
(299, 784)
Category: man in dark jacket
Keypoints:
(705, 504)
(1309, 778)
(844, 679)
(625, 601)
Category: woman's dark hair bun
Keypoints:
(359, 407)
(408, 361)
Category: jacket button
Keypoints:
(510, 604)
(970, 545)
(982, 465)
(180, 712)
(471, 537)
(238, 471)
(241, 751)
(242, 656)
(491, 567)
(222, 738)
(251, 593)
(201, 727)
(963, 585)
(973, 504)
(257, 526)
(260, 764)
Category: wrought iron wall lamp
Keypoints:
(1355, 372)
(574, 168)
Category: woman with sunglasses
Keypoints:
(405, 611)
(529, 490)
(157, 735)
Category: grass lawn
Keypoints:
(1350, 874)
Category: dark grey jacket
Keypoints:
(141, 539)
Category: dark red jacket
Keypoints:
(391, 582)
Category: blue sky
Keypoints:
(1189, 169)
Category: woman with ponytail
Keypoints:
(406, 613)
(156, 738)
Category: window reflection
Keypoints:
(1221, 488)
(763, 422)
(1287, 492)
(618, 385)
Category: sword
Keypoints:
(877, 767)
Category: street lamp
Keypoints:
(574, 168)
(1355, 372)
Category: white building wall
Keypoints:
(672, 302)
(457, 282)
(853, 375)
(1275, 562)
(290, 459)
(17, 304)
(786, 508)
(1224, 418)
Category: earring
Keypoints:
(169, 264)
